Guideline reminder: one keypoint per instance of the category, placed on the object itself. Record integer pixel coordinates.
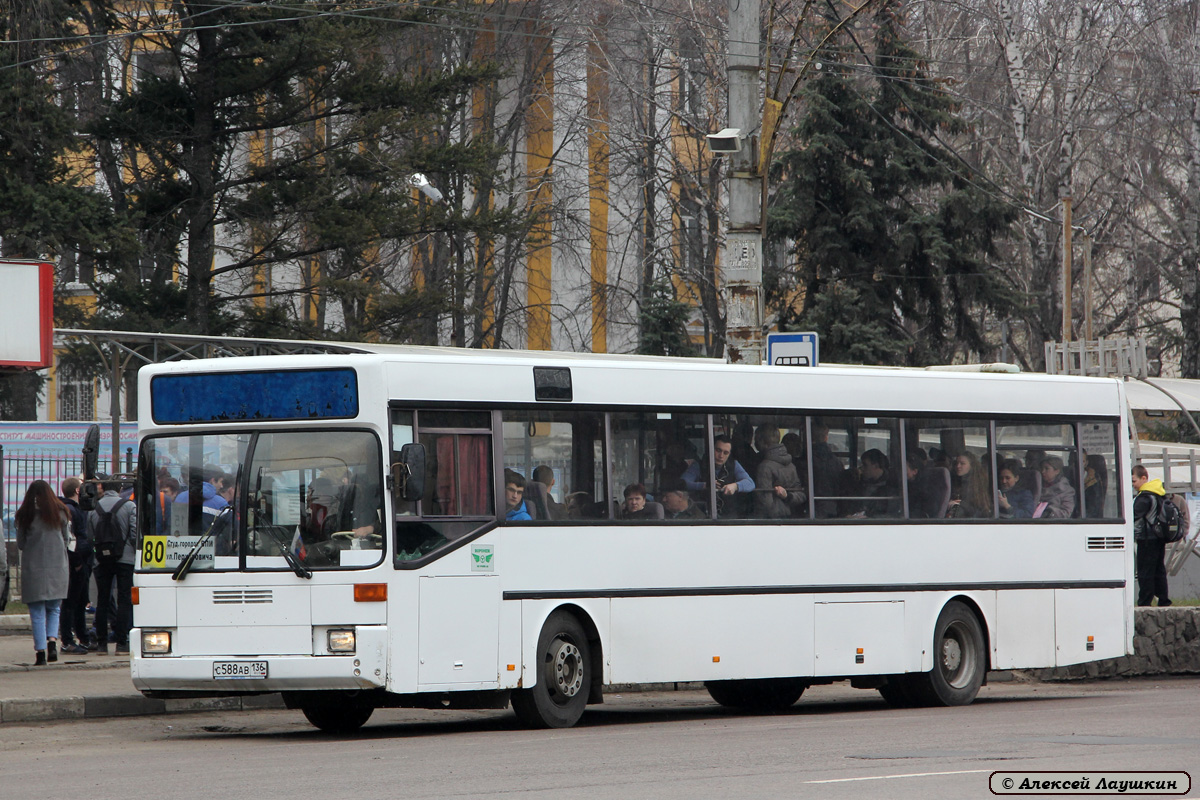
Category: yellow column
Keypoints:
(259, 148)
(597, 105)
(539, 125)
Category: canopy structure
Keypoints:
(1155, 394)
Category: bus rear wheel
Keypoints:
(335, 719)
(959, 659)
(762, 694)
(560, 693)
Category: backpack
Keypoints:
(107, 539)
(1167, 521)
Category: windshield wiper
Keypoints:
(288, 556)
(185, 566)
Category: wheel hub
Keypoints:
(951, 655)
(567, 666)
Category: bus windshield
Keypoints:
(242, 500)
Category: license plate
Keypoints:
(239, 669)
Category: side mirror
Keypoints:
(91, 452)
(408, 474)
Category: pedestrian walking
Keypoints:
(43, 532)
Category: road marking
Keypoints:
(905, 775)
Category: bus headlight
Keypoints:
(156, 643)
(341, 641)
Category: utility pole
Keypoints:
(741, 257)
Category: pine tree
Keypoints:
(349, 106)
(891, 231)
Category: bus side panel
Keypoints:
(458, 632)
(1080, 614)
(859, 638)
(711, 638)
(402, 625)
(1024, 629)
(592, 611)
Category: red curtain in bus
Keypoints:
(465, 491)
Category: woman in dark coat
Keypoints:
(42, 533)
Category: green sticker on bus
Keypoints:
(482, 558)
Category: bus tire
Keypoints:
(959, 659)
(337, 719)
(762, 694)
(560, 692)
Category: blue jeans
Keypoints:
(43, 615)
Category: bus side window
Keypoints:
(561, 456)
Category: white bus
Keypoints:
(343, 533)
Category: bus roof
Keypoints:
(436, 374)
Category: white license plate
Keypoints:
(239, 669)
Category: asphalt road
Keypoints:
(835, 743)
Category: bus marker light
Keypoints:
(370, 592)
(859, 658)
(716, 659)
(1091, 644)
(512, 667)
(135, 595)
(341, 641)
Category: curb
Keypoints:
(104, 706)
(15, 623)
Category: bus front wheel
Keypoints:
(560, 693)
(336, 719)
(959, 659)
(764, 694)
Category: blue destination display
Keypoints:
(240, 396)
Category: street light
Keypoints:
(422, 184)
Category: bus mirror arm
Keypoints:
(408, 474)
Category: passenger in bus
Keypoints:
(1095, 486)
(779, 494)
(873, 483)
(514, 497)
(922, 501)
(678, 505)
(743, 447)
(321, 507)
(730, 477)
(970, 490)
(1058, 499)
(168, 490)
(545, 476)
(636, 506)
(827, 471)
(1034, 459)
(1015, 501)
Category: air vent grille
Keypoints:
(241, 596)
(1106, 543)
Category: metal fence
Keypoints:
(18, 470)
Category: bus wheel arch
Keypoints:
(568, 675)
(960, 657)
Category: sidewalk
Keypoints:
(84, 687)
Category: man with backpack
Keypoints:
(1150, 536)
(114, 541)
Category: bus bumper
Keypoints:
(366, 668)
